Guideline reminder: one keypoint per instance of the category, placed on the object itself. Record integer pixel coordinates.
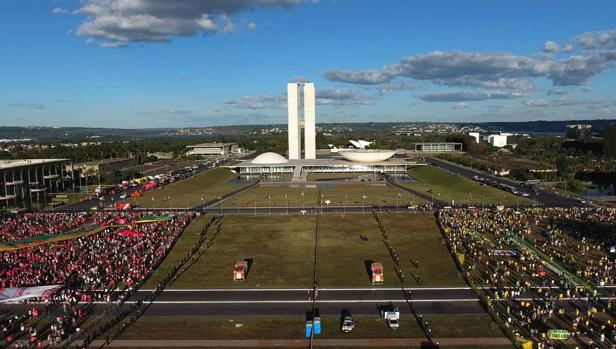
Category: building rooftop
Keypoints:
(320, 162)
(210, 145)
(106, 161)
(5, 164)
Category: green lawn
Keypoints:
(190, 191)
(343, 255)
(448, 187)
(289, 327)
(179, 250)
(356, 194)
(280, 248)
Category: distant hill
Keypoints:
(545, 127)
(74, 133)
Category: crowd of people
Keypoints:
(91, 268)
(104, 260)
(122, 317)
(32, 224)
(541, 269)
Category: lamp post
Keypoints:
(203, 202)
(363, 203)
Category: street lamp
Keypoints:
(363, 202)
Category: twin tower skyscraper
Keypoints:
(301, 96)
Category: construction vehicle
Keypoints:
(391, 314)
(239, 272)
(347, 324)
(376, 273)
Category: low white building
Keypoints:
(497, 140)
(475, 135)
(213, 149)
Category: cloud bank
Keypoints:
(115, 23)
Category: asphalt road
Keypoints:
(109, 200)
(460, 300)
(540, 195)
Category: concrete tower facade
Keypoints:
(295, 92)
(293, 104)
(310, 148)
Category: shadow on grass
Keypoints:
(368, 265)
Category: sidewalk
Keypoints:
(260, 343)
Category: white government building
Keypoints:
(301, 97)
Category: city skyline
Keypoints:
(139, 64)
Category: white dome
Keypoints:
(269, 158)
(367, 155)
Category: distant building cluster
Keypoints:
(203, 131)
(578, 131)
(495, 140)
(419, 128)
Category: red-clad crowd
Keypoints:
(103, 260)
(121, 256)
(32, 224)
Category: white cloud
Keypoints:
(551, 46)
(556, 102)
(396, 86)
(460, 105)
(556, 92)
(29, 105)
(567, 48)
(326, 96)
(463, 96)
(252, 26)
(59, 11)
(500, 70)
(127, 21)
(605, 40)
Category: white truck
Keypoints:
(347, 324)
(391, 315)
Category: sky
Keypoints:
(200, 63)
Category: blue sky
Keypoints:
(146, 63)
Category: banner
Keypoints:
(123, 207)
(82, 231)
(128, 232)
(152, 219)
(22, 293)
(505, 253)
